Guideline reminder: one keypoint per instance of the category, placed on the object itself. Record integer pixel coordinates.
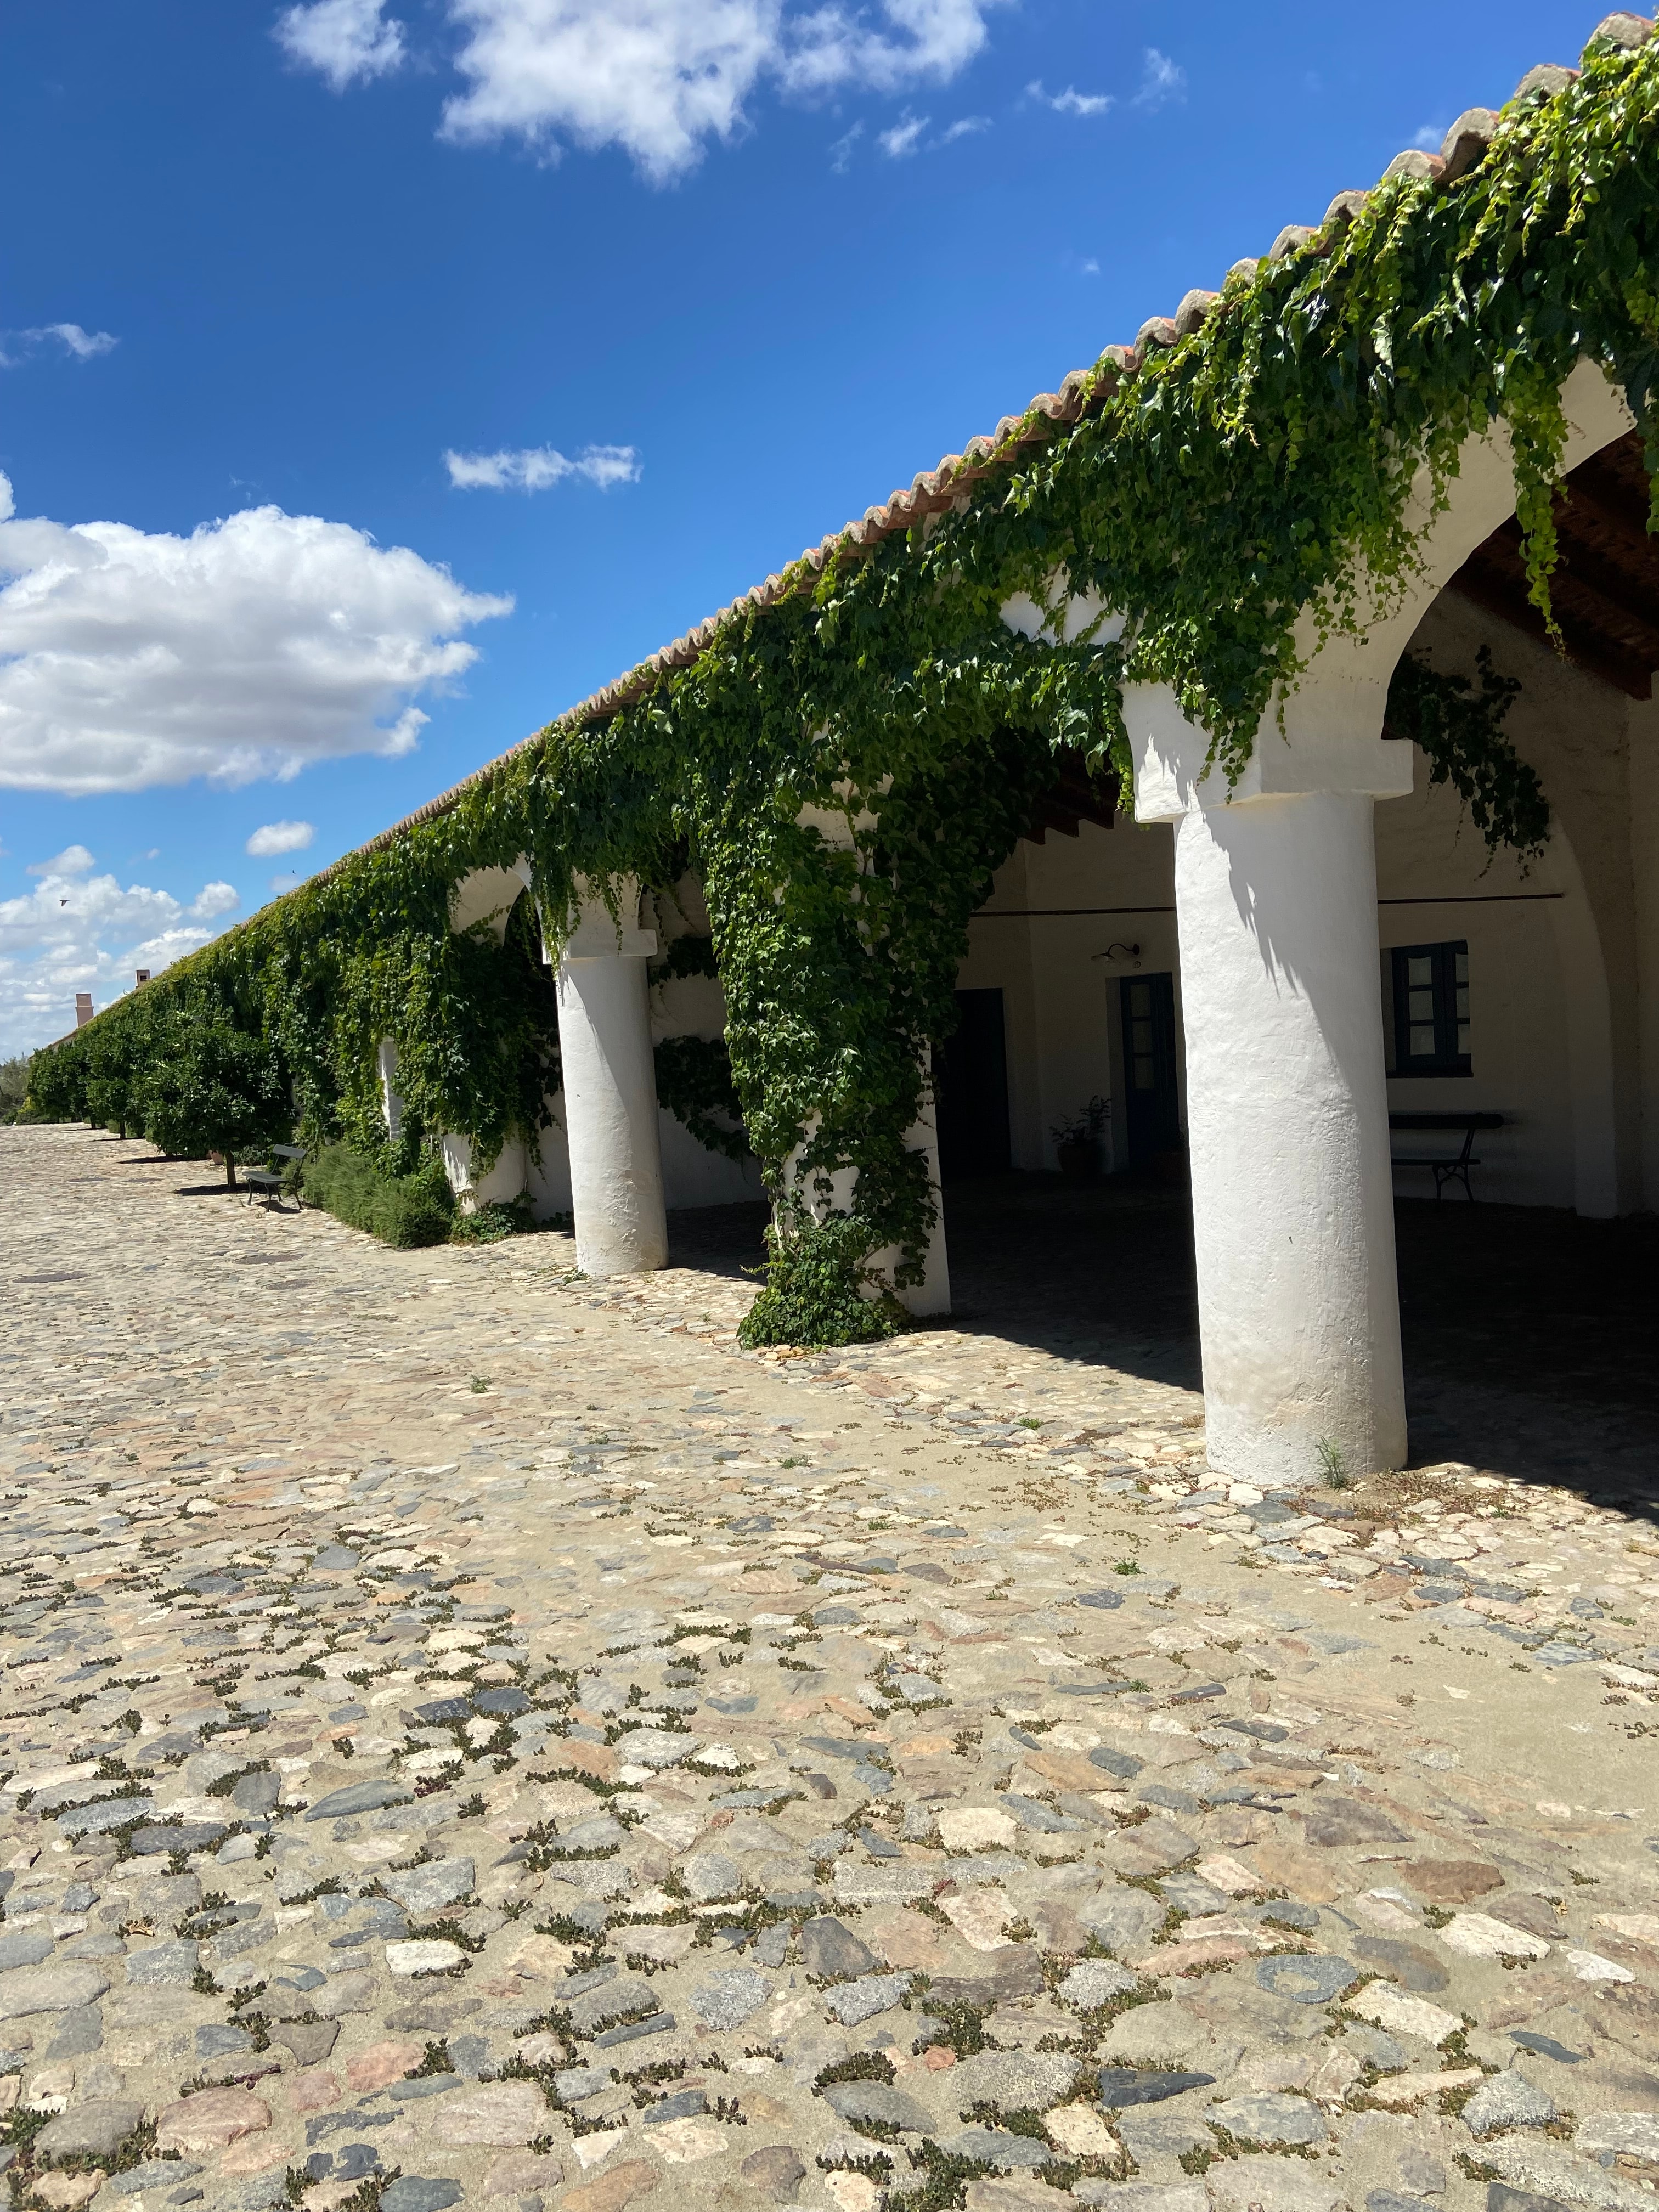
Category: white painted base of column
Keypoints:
(611, 1114)
(505, 1181)
(1292, 1195)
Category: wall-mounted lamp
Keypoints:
(1114, 950)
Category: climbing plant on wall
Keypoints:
(845, 766)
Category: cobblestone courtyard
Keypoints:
(474, 1737)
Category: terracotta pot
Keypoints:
(1080, 1163)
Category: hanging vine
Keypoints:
(846, 768)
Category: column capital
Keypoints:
(1333, 754)
(597, 936)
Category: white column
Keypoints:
(610, 1093)
(1287, 1110)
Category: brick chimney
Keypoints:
(83, 1009)
(142, 974)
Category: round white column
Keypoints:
(1287, 1099)
(610, 1097)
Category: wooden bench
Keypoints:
(1447, 1166)
(267, 1182)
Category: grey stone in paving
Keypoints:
(996, 2147)
(1545, 2046)
(860, 2000)
(256, 1794)
(1270, 2118)
(774, 2170)
(1409, 1963)
(1122, 1918)
(1122, 2087)
(575, 2082)
(1142, 2195)
(371, 1796)
(1308, 1979)
(1014, 2081)
(1508, 2100)
(416, 2192)
(1096, 1981)
(50, 1989)
(99, 1819)
(709, 1875)
(1334, 1822)
(728, 1998)
(879, 2104)
(1371, 2047)
(829, 1947)
(658, 2023)
(1150, 2135)
(1626, 2134)
(152, 2173)
(96, 2130)
(163, 1962)
(26, 1948)
(656, 1747)
(429, 1888)
(596, 2008)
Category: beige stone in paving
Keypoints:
(523, 2174)
(610, 2191)
(977, 1828)
(64, 2190)
(1400, 2014)
(1480, 1935)
(211, 2120)
(1641, 1928)
(382, 2062)
(1230, 1875)
(1400, 2091)
(499, 2113)
(1080, 2129)
(980, 1916)
(686, 2142)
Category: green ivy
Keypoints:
(1211, 494)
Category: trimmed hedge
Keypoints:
(401, 1210)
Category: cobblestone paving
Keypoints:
(472, 1737)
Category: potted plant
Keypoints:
(1077, 1142)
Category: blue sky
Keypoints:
(681, 284)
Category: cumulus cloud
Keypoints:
(1161, 81)
(346, 41)
(256, 645)
(73, 860)
(533, 468)
(659, 79)
(274, 837)
(84, 345)
(77, 931)
(1071, 102)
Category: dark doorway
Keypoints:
(1152, 1103)
(970, 1085)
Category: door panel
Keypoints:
(970, 1083)
(1151, 1101)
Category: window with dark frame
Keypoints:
(1432, 1009)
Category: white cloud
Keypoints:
(534, 467)
(85, 345)
(1090, 268)
(256, 645)
(274, 837)
(904, 138)
(346, 41)
(969, 127)
(73, 860)
(840, 153)
(1161, 81)
(1071, 102)
(660, 78)
(1430, 138)
(78, 933)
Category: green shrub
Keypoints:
(402, 1210)
(815, 1289)
(488, 1225)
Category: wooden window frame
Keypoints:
(1447, 1059)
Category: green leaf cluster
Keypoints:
(844, 767)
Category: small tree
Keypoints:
(213, 1088)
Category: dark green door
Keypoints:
(1152, 1113)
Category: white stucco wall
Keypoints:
(1563, 956)
(1060, 998)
